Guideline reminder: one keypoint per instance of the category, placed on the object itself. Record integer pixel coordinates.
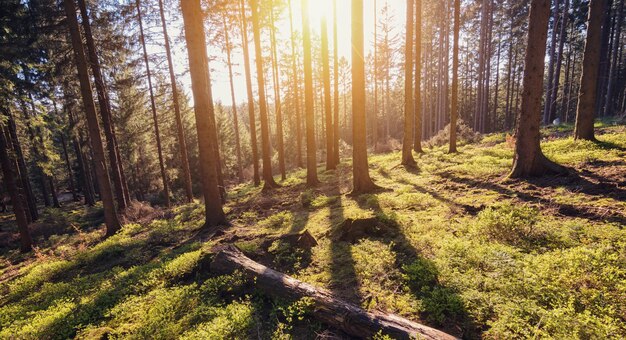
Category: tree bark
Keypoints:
(330, 152)
(265, 130)
(528, 159)
(311, 152)
(296, 89)
(203, 107)
(182, 143)
(559, 60)
(280, 145)
(336, 88)
(417, 132)
(104, 184)
(407, 139)
(551, 64)
(613, 74)
(326, 307)
(362, 183)
(105, 109)
(454, 109)
(585, 112)
(251, 114)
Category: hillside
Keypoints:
(457, 247)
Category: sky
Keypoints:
(317, 9)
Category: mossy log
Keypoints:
(326, 307)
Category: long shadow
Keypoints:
(563, 208)
(442, 305)
(456, 206)
(342, 266)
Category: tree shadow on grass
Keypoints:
(442, 306)
(574, 184)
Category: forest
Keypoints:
(312, 169)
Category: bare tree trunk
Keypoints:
(552, 53)
(336, 88)
(362, 183)
(610, 101)
(204, 112)
(68, 165)
(559, 60)
(407, 141)
(26, 243)
(454, 110)
(31, 203)
(280, 145)
(252, 120)
(182, 143)
(330, 152)
(105, 109)
(106, 193)
(585, 112)
(528, 158)
(53, 193)
(234, 103)
(265, 133)
(417, 132)
(166, 192)
(311, 154)
(296, 88)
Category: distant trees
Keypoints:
(205, 117)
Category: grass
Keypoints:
(470, 253)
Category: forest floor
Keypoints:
(456, 246)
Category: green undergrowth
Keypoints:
(462, 249)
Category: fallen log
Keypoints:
(327, 308)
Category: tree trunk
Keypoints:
(327, 308)
(105, 109)
(336, 88)
(8, 173)
(417, 132)
(53, 193)
(155, 120)
(31, 203)
(203, 107)
(182, 143)
(104, 184)
(296, 89)
(280, 145)
(559, 60)
(252, 119)
(551, 65)
(362, 183)
(454, 109)
(407, 139)
(585, 112)
(613, 74)
(330, 152)
(265, 130)
(311, 153)
(528, 159)
(234, 103)
(68, 164)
